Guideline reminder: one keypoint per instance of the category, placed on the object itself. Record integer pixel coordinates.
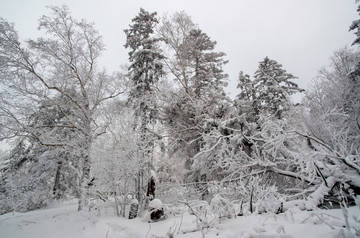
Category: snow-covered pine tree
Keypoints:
(273, 88)
(200, 96)
(355, 25)
(245, 101)
(235, 149)
(354, 76)
(145, 71)
(208, 76)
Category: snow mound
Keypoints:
(155, 204)
(134, 201)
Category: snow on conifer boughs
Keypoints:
(43, 172)
(145, 57)
(197, 68)
(273, 87)
(145, 71)
(146, 68)
(208, 76)
(356, 26)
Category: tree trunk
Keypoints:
(117, 205)
(134, 207)
(151, 189)
(85, 174)
(251, 199)
(139, 187)
(56, 188)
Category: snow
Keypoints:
(134, 201)
(156, 204)
(154, 176)
(64, 221)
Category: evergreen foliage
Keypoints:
(273, 88)
(145, 71)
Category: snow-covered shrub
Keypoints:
(100, 207)
(205, 217)
(26, 190)
(196, 206)
(269, 201)
(173, 210)
(221, 207)
(4, 205)
(261, 199)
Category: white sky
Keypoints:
(299, 34)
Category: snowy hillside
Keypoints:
(65, 221)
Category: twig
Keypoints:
(181, 221)
(292, 216)
(148, 230)
(171, 233)
(333, 228)
(192, 210)
(314, 214)
(322, 176)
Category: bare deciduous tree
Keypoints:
(62, 65)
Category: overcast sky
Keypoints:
(299, 34)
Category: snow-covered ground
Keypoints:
(65, 221)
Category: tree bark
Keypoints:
(56, 188)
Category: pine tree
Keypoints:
(146, 68)
(208, 77)
(355, 25)
(273, 88)
(200, 98)
(354, 75)
(145, 71)
(245, 101)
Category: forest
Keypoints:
(162, 130)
